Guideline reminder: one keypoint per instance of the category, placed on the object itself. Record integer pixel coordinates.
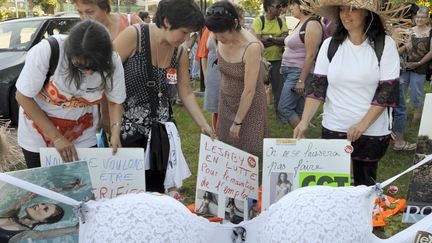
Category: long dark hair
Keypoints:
(279, 181)
(373, 27)
(90, 43)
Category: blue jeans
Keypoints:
(291, 104)
(400, 112)
(416, 83)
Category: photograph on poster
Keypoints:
(207, 203)
(28, 217)
(234, 210)
(281, 184)
(252, 208)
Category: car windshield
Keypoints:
(18, 36)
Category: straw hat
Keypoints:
(391, 17)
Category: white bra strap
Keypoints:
(420, 163)
(38, 190)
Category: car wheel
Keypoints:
(14, 108)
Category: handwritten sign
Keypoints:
(290, 163)
(111, 176)
(229, 172)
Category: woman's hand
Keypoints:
(355, 131)
(235, 131)
(300, 130)
(412, 65)
(115, 139)
(300, 88)
(66, 149)
(206, 129)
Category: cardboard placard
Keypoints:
(289, 164)
(227, 180)
(111, 175)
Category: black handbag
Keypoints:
(159, 142)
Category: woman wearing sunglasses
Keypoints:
(242, 113)
(62, 111)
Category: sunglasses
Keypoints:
(278, 6)
(217, 11)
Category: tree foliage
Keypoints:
(426, 3)
(253, 7)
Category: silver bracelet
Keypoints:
(58, 139)
(116, 124)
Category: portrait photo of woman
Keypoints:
(11, 224)
(282, 182)
(208, 203)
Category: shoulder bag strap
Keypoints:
(150, 82)
(54, 57)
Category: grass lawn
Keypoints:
(393, 162)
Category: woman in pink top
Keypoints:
(297, 62)
(100, 10)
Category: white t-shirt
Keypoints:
(63, 101)
(353, 77)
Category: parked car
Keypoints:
(16, 38)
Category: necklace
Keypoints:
(159, 75)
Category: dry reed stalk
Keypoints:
(11, 157)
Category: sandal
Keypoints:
(406, 146)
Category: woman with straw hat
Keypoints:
(355, 84)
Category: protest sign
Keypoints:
(419, 197)
(227, 180)
(111, 175)
(289, 164)
(59, 222)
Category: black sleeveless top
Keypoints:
(136, 118)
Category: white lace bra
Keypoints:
(309, 214)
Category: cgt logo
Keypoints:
(325, 179)
(423, 237)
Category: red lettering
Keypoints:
(102, 192)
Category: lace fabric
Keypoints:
(310, 214)
(142, 218)
(320, 214)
